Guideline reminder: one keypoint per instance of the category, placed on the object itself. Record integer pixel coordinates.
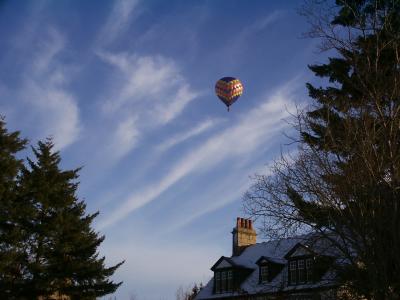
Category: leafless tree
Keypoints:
(188, 293)
(344, 181)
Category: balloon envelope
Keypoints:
(228, 89)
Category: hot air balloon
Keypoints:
(228, 89)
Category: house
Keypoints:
(297, 268)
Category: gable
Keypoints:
(262, 261)
(299, 250)
(223, 264)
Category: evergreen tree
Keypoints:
(63, 252)
(355, 127)
(12, 236)
(345, 181)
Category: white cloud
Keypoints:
(124, 139)
(263, 23)
(152, 80)
(254, 129)
(118, 20)
(237, 46)
(222, 190)
(181, 137)
(54, 112)
(183, 96)
(149, 89)
(49, 48)
(43, 105)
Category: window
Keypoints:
(285, 277)
(217, 282)
(263, 274)
(309, 266)
(293, 271)
(301, 271)
(223, 281)
(230, 281)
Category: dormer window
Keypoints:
(223, 281)
(268, 268)
(300, 264)
(263, 274)
(300, 271)
(228, 275)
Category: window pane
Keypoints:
(230, 281)
(293, 271)
(309, 266)
(309, 263)
(301, 270)
(300, 264)
(217, 282)
(223, 281)
(264, 273)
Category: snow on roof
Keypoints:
(274, 251)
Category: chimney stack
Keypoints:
(243, 236)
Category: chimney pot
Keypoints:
(243, 235)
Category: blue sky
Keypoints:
(126, 90)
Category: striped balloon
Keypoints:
(228, 89)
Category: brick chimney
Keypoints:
(243, 235)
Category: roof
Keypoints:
(274, 251)
(299, 250)
(273, 260)
(229, 260)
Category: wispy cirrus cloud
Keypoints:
(183, 136)
(203, 204)
(124, 138)
(240, 41)
(262, 23)
(253, 130)
(118, 21)
(53, 112)
(154, 84)
(175, 104)
(149, 92)
(146, 91)
(43, 104)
